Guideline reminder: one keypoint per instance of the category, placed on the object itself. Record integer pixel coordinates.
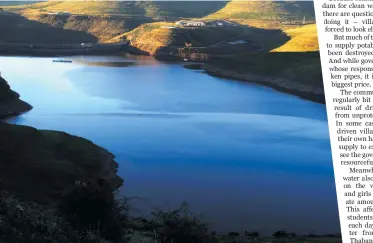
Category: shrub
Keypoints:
(91, 206)
(29, 222)
(179, 226)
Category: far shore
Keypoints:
(282, 85)
(27, 49)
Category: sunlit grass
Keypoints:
(302, 39)
(265, 14)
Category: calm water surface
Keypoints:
(248, 157)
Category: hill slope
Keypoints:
(11, 3)
(267, 14)
(107, 19)
(118, 18)
(129, 8)
(15, 28)
(297, 73)
(301, 39)
(103, 28)
(238, 9)
(152, 37)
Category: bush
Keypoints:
(84, 217)
(91, 206)
(29, 222)
(179, 226)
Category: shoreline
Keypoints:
(284, 85)
(10, 104)
(40, 50)
(281, 85)
(278, 84)
(271, 82)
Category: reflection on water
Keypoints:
(104, 61)
(249, 157)
(107, 64)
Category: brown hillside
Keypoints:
(15, 28)
(103, 28)
(302, 39)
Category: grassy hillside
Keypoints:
(266, 14)
(136, 21)
(107, 19)
(261, 14)
(238, 9)
(303, 66)
(129, 8)
(15, 28)
(153, 36)
(103, 28)
(302, 39)
(15, 3)
(297, 73)
(148, 37)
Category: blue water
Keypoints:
(246, 156)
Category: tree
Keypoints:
(179, 226)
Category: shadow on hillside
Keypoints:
(16, 28)
(272, 63)
(269, 38)
(297, 73)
